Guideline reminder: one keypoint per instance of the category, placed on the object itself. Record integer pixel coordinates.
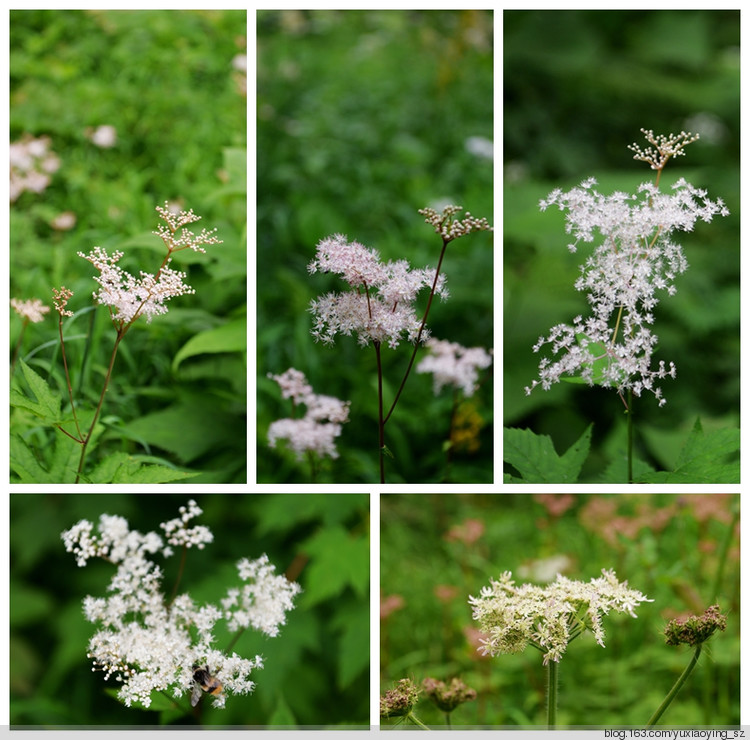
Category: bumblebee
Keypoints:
(204, 681)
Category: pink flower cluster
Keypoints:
(380, 306)
(452, 364)
(32, 164)
(317, 430)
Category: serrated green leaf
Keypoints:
(338, 560)
(47, 404)
(229, 337)
(354, 646)
(61, 467)
(122, 468)
(704, 458)
(534, 456)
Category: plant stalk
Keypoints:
(676, 688)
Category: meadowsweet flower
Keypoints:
(176, 236)
(32, 310)
(129, 297)
(149, 644)
(635, 259)
(105, 137)
(380, 306)
(548, 618)
(452, 364)
(317, 430)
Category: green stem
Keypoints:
(630, 435)
(552, 673)
(381, 421)
(675, 689)
(413, 718)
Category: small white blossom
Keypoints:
(149, 644)
(548, 618)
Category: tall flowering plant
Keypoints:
(634, 261)
(155, 643)
(128, 298)
(379, 303)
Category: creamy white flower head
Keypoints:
(548, 618)
(178, 534)
(150, 644)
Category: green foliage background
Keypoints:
(578, 87)
(363, 118)
(673, 556)
(164, 80)
(316, 671)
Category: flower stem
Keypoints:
(381, 421)
(552, 673)
(676, 688)
(630, 435)
(87, 438)
(413, 718)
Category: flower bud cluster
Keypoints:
(400, 701)
(177, 219)
(448, 696)
(695, 630)
(317, 430)
(449, 228)
(664, 147)
(149, 644)
(548, 618)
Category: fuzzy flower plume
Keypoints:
(130, 297)
(317, 430)
(634, 259)
(548, 618)
(454, 365)
(149, 643)
(379, 307)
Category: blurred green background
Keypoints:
(170, 84)
(578, 87)
(363, 118)
(437, 550)
(316, 670)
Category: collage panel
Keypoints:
(165, 610)
(559, 610)
(375, 255)
(128, 247)
(621, 246)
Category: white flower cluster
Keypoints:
(150, 644)
(452, 364)
(178, 534)
(635, 259)
(317, 430)
(548, 618)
